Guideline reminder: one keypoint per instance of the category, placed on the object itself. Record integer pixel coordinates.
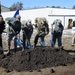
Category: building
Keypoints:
(4, 9)
(66, 15)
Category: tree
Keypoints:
(53, 6)
(15, 6)
(56, 7)
(73, 7)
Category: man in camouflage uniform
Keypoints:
(13, 29)
(42, 30)
(57, 31)
(27, 33)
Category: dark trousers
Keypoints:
(10, 37)
(37, 37)
(26, 39)
(59, 39)
(1, 40)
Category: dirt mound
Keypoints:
(35, 59)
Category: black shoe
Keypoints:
(34, 46)
(8, 53)
(72, 45)
(61, 47)
(1, 51)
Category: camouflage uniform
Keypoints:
(13, 31)
(27, 32)
(57, 31)
(42, 29)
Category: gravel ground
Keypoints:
(45, 71)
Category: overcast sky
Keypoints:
(40, 3)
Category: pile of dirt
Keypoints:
(34, 59)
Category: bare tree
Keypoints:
(15, 6)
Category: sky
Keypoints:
(40, 3)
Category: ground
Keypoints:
(68, 70)
(59, 70)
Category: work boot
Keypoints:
(72, 45)
(1, 51)
(34, 45)
(8, 53)
(61, 48)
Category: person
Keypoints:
(56, 31)
(73, 34)
(13, 29)
(2, 27)
(42, 30)
(27, 32)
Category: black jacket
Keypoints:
(2, 27)
(60, 31)
(73, 24)
(28, 29)
(16, 26)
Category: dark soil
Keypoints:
(35, 59)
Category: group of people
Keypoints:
(42, 27)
